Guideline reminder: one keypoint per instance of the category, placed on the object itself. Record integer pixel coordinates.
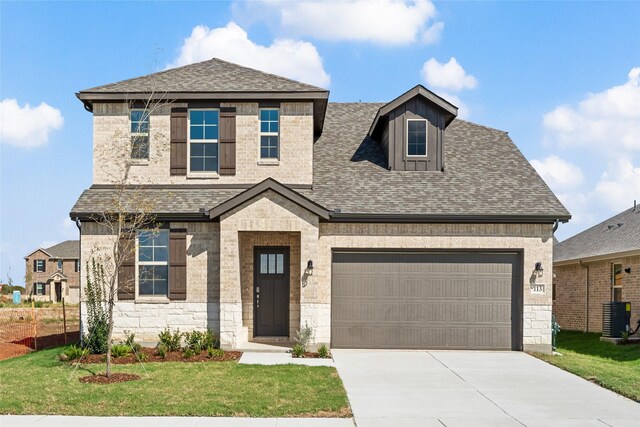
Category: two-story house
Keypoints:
(380, 225)
(54, 273)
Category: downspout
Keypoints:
(555, 226)
(586, 306)
(79, 225)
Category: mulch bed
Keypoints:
(152, 356)
(9, 350)
(116, 377)
(311, 355)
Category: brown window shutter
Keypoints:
(179, 141)
(127, 269)
(35, 265)
(44, 266)
(227, 142)
(178, 264)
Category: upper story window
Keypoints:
(60, 264)
(76, 266)
(203, 140)
(153, 262)
(416, 137)
(139, 134)
(269, 130)
(39, 266)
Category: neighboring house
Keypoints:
(380, 225)
(53, 273)
(599, 265)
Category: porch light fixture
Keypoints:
(627, 270)
(309, 270)
(538, 269)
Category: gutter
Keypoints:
(438, 218)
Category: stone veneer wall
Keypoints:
(111, 146)
(571, 294)
(145, 316)
(248, 241)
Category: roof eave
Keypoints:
(448, 218)
(594, 258)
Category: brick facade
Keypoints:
(570, 304)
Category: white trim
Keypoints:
(143, 263)
(426, 138)
(202, 174)
(271, 161)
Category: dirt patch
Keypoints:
(150, 355)
(9, 350)
(114, 378)
(312, 355)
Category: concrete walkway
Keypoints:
(59, 421)
(260, 358)
(468, 388)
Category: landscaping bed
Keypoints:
(49, 386)
(616, 367)
(151, 355)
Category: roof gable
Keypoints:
(450, 111)
(69, 249)
(275, 186)
(616, 235)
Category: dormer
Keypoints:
(411, 130)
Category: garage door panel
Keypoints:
(423, 300)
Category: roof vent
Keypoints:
(610, 226)
(620, 224)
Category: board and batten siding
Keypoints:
(394, 137)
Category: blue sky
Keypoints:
(562, 78)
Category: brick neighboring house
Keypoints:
(380, 225)
(599, 265)
(53, 272)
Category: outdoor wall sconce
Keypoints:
(309, 270)
(539, 270)
(627, 270)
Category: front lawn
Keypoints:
(39, 384)
(616, 367)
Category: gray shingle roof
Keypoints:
(66, 249)
(214, 75)
(485, 174)
(606, 238)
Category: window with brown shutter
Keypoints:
(178, 141)
(227, 141)
(178, 264)
(127, 269)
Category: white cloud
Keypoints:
(606, 121)
(386, 22)
(450, 76)
(294, 59)
(559, 174)
(27, 126)
(619, 186)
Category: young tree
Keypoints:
(128, 209)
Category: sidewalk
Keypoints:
(64, 421)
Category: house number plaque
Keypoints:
(537, 288)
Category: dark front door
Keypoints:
(58, 291)
(271, 291)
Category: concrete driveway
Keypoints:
(470, 388)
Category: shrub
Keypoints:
(97, 314)
(323, 351)
(297, 350)
(120, 350)
(209, 340)
(215, 352)
(193, 340)
(171, 340)
(161, 349)
(130, 341)
(624, 337)
(142, 356)
(74, 352)
(304, 336)
(188, 353)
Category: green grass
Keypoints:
(39, 384)
(616, 367)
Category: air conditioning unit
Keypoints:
(616, 318)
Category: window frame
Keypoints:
(216, 141)
(133, 134)
(261, 134)
(139, 263)
(59, 264)
(35, 288)
(38, 270)
(76, 266)
(615, 287)
(426, 139)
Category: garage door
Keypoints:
(426, 300)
